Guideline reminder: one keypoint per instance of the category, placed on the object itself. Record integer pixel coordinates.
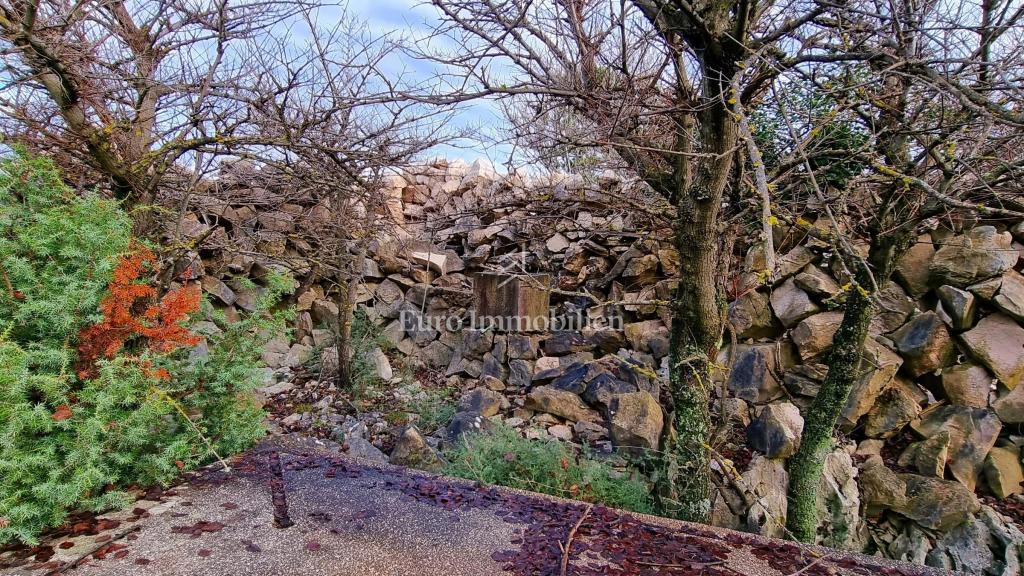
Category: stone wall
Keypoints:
(933, 421)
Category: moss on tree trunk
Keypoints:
(805, 469)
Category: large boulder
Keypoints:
(813, 336)
(937, 504)
(924, 343)
(840, 523)
(791, 304)
(998, 342)
(560, 403)
(776, 431)
(636, 421)
(973, 432)
(978, 255)
(1003, 472)
(767, 480)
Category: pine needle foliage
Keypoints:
(142, 413)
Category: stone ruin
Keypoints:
(930, 444)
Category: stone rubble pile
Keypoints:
(934, 418)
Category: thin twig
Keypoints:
(568, 541)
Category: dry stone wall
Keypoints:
(933, 422)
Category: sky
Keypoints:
(415, 19)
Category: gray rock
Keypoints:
(213, 285)
(929, 456)
(998, 342)
(894, 307)
(751, 316)
(767, 481)
(841, 525)
(464, 423)
(412, 450)
(791, 304)
(963, 549)
(520, 373)
(1010, 298)
(362, 448)
(560, 403)
(973, 432)
(776, 431)
(937, 504)
(635, 332)
(924, 343)
(967, 385)
(978, 255)
(566, 342)
(417, 326)
(636, 421)
(521, 347)
(436, 355)
(297, 355)
(959, 305)
(816, 282)
(753, 376)
(794, 261)
(603, 387)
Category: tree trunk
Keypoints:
(343, 334)
(806, 467)
(697, 319)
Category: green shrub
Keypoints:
(68, 443)
(435, 409)
(503, 457)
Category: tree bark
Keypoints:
(805, 469)
(697, 315)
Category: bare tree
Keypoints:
(123, 94)
(338, 136)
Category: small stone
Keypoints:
(557, 243)
(791, 304)
(816, 282)
(643, 267)
(794, 261)
(634, 332)
(776, 431)
(894, 409)
(413, 451)
(381, 364)
(492, 383)
(362, 448)
(1003, 472)
(465, 423)
(894, 307)
(561, 432)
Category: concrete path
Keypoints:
(351, 518)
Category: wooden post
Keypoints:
(511, 303)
